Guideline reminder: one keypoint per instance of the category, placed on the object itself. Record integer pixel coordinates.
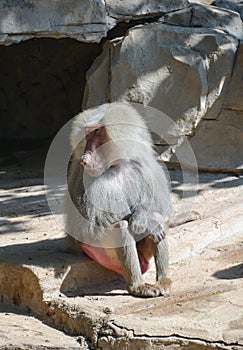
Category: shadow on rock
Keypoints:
(231, 273)
(73, 275)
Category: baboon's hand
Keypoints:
(142, 221)
(157, 227)
(156, 231)
(139, 221)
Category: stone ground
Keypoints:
(52, 299)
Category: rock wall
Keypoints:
(183, 66)
(218, 140)
(179, 71)
(182, 58)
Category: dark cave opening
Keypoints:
(41, 88)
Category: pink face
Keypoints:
(91, 160)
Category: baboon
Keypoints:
(118, 198)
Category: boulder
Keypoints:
(234, 97)
(178, 70)
(234, 5)
(206, 16)
(125, 9)
(218, 143)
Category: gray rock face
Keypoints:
(21, 20)
(198, 15)
(125, 9)
(218, 143)
(180, 71)
(86, 21)
(234, 5)
(181, 66)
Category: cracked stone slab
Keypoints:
(121, 9)
(86, 20)
(22, 20)
(73, 293)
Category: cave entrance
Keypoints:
(41, 88)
